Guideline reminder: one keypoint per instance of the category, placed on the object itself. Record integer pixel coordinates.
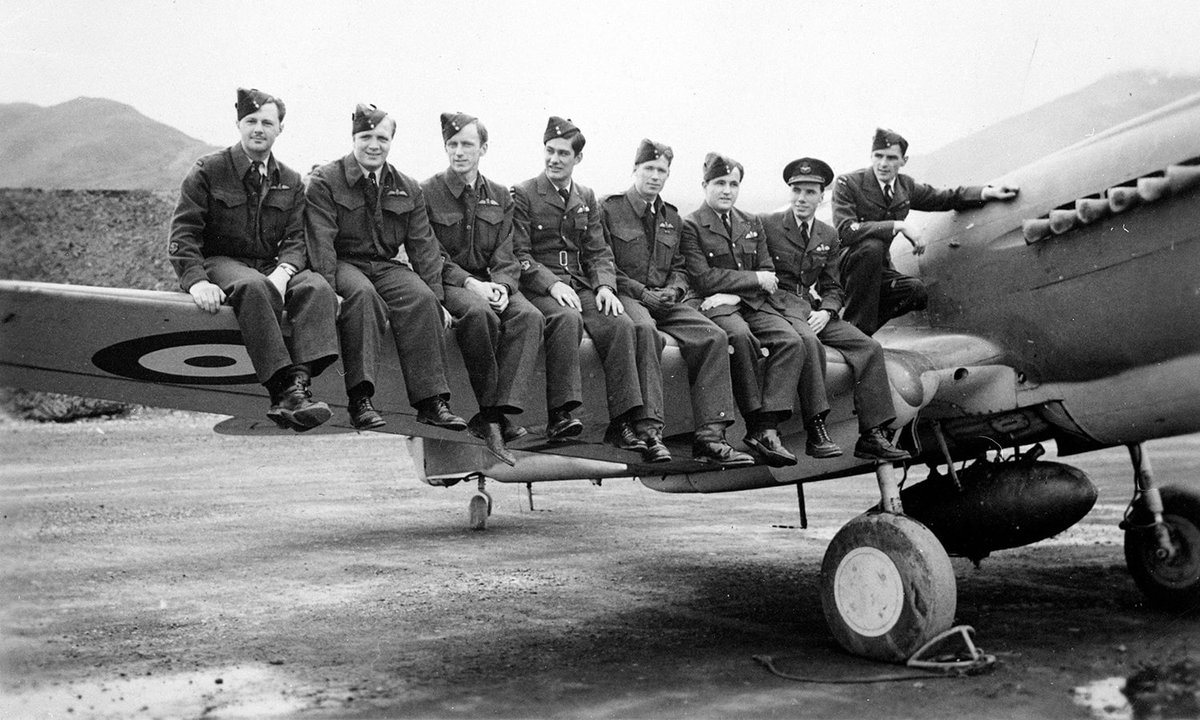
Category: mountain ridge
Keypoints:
(98, 144)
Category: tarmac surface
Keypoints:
(152, 568)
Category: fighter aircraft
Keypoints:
(1070, 314)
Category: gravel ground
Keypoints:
(152, 568)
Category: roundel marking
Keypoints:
(198, 357)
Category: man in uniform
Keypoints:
(803, 250)
(498, 330)
(869, 209)
(643, 231)
(369, 236)
(731, 273)
(567, 272)
(238, 235)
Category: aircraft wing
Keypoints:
(157, 348)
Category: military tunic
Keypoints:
(386, 264)
(563, 241)
(646, 246)
(474, 227)
(800, 267)
(865, 221)
(722, 262)
(232, 235)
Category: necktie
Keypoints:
(648, 221)
(470, 200)
(887, 192)
(728, 225)
(256, 176)
(372, 192)
(565, 194)
(804, 234)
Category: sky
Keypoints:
(762, 82)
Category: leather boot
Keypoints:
(766, 444)
(492, 437)
(363, 415)
(709, 446)
(295, 405)
(435, 411)
(656, 450)
(561, 427)
(510, 431)
(817, 443)
(874, 445)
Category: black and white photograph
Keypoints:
(606, 360)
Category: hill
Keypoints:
(1021, 139)
(96, 144)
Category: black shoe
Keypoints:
(719, 452)
(364, 416)
(436, 412)
(656, 451)
(874, 445)
(620, 434)
(562, 426)
(295, 406)
(489, 433)
(275, 414)
(512, 432)
(766, 444)
(817, 444)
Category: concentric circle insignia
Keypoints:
(198, 357)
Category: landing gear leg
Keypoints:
(887, 585)
(1162, 538)
(480, 507)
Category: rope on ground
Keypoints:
(947, 664)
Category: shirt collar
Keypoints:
(637, 203)
(801, 223)
(568, 188)
(457, 186)
(242, 161)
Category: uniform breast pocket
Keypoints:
(718, 255)
(277, 208)
(626, 235)
(666, 244)
(580, 222)
(396, 212)
(667, 237)
(397, 204)
(748, 247)
(229, 212)
(350, 202)
(445, 221)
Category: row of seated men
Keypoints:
(523, 272)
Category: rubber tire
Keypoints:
(915, 597)
(478, 511)
(1173, 585)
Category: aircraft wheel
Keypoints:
(478, 510)
(1171, 582)
(887, 586)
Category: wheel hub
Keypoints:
(868, 591)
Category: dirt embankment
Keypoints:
(114, 238)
